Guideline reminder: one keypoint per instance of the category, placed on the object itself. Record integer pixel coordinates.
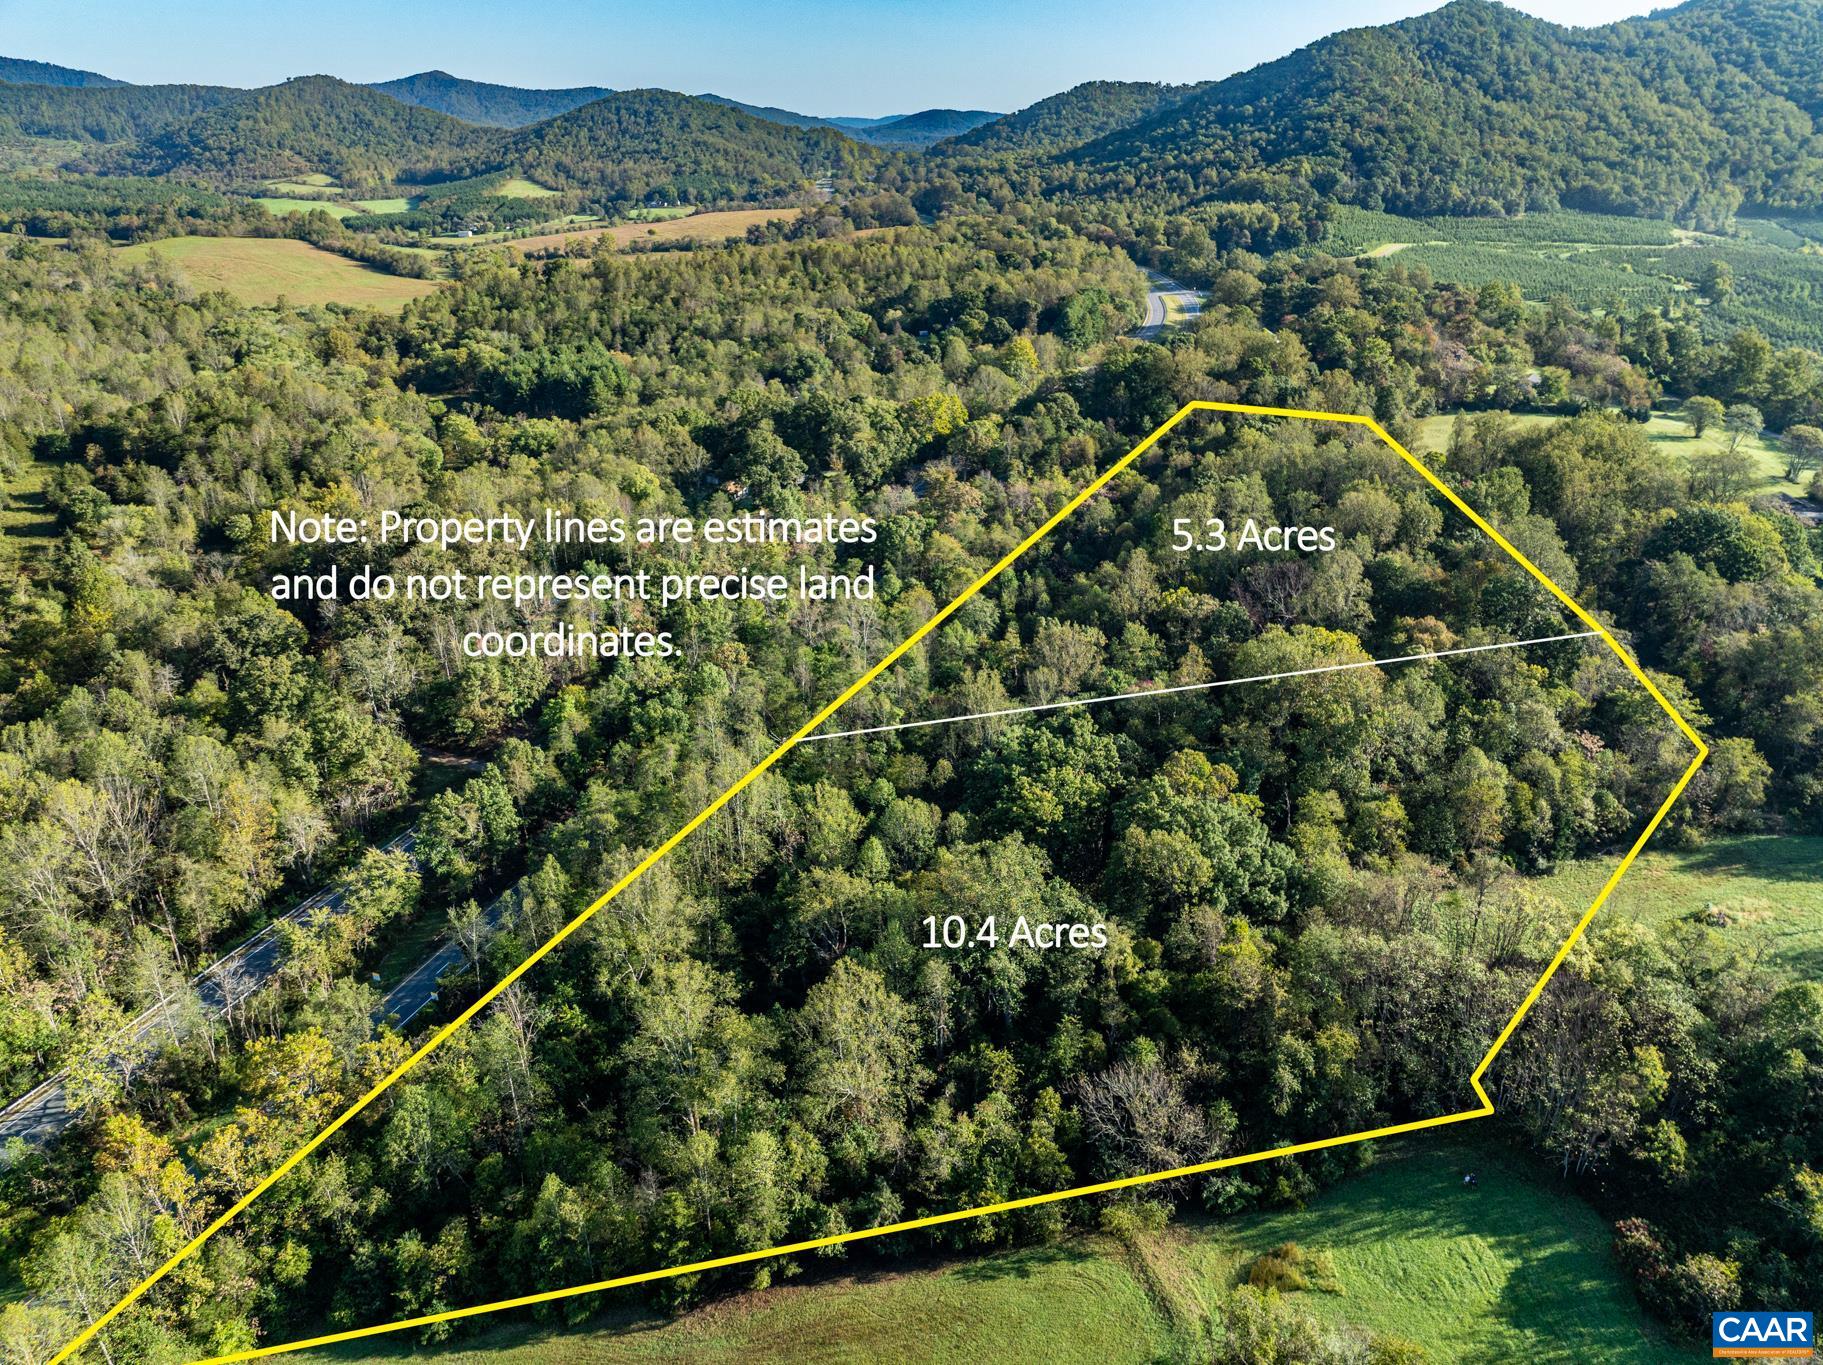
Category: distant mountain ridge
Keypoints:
(640, 144)
(636, 144)
(103, 114)
(23, 72)
(790, 118)
(926, 127)
(358, 135)
(901, 130)
(481, 102)
(1078, 115)
(1687, 114)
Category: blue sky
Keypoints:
(820, 56)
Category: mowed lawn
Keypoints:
(1076, 1303)
(1763, 892)
(702, 227)
(262, 270)
(306, 187)
(1515, 1270)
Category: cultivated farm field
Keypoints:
(282, 205)
(1600, 260)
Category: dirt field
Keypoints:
(702, 227)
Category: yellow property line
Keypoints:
(442, 1035)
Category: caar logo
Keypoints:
(1762, 1333)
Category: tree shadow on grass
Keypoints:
(1556, 1300)
(1780, 857)
(1022, 1264)
(1804, 964)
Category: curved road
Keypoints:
(1164, 292)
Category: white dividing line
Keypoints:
(1198, 687)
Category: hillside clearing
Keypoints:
(282, 206)
(25, 517)
(518, 187)
(306, 187)
(262, 270)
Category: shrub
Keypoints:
(1282, 1268)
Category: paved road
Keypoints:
(1159, 297)
(405, 1000)
(44, 1112)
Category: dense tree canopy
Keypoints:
(1315, 900)
(1290, 909)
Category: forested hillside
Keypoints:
(924, 128)
(115, 113)
(1078, 115)
(1778, 44)
(898, 130)
(45, 73)
(1472, 109)
(637, 143)
(497, 106)
(1477, 108)
(1295, 883)
(790, 118)
(315, 124)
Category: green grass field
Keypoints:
(262, 270)
(306, 187)
(1666, 431)
(1079, 1303)
(1764, 892)
(399, 205)
(1669, 433)
(714, 226)
(1517, 1270)
(279, 205)
(518, 187)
